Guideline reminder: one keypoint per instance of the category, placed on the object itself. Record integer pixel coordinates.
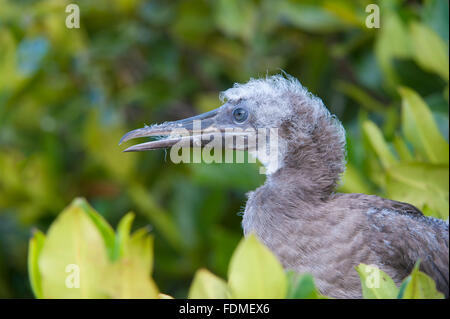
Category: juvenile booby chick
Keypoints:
(296, 213)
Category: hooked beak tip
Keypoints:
(165, 130)
(126, 137)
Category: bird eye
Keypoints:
(240, 115)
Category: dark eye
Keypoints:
(240, 115)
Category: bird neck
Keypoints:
(314, 165)
(312, 159)
(296, 190)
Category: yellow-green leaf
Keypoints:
(206, 285)
(421, 286)
(353, 181)
(102, 225)
(141, 244)
(302, 287)
(131, 272)
(375, 283)
(73, 260)
(430, 51)
(421, 130)
(402, 149)
(255, 272)
(123, 234)
(35, 248)
(420, 184)
(360, 96)
(376, 140)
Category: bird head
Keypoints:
(250, 114)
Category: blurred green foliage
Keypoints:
(68, 95)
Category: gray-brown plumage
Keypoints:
(296, 212)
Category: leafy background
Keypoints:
(68, 95)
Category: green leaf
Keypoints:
(360, 96)
(420, 286)
(375, 283)
(35, 248)
(401, 291)
(123, 235)
(102, 225)
(255, 272)
(420, 129)
(132, 271)
(430, 51)
(420, 184)
(353, 181)
(302, 287)
(402, 149)
(206, 285)
(140, 247)
(376, 140)
(74, 261)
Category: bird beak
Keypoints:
(186, 132)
